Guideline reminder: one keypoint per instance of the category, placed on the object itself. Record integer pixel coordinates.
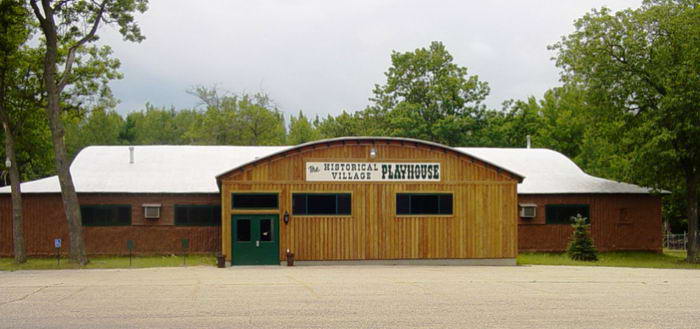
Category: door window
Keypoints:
(265, 230)
(243, 230)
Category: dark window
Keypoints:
(423, 204)
(266, 230)
(243, 230)
(197, 215)
(106, 215)
(254, 200)
(321, 204)
(562, 213)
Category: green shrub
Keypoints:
(581, 245)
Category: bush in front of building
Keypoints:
(581, 245)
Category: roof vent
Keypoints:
(131, 154)
(528, 141)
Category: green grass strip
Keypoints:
(667, 259)
(8, 264)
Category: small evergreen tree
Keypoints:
(581, 245)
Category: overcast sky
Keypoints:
(325, 56)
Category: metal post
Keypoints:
(130, 246)
(185, 245)
(57, 245)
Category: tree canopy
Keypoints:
(428, 96)
(640, 69)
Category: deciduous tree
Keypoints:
(260, 121)
(344, 124)
(641, 72)
(14, 32)
(428, 96)
(301, 130)
(70, 26)
(99, 127)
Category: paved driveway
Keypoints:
(352, 296)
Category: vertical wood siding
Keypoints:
(483, 224)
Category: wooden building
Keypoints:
(355, 199)
(369, 199)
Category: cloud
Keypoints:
(325, 56)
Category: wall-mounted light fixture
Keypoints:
(373, 153)
(286, 217)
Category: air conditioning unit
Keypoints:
(528, 210)
(151, 210)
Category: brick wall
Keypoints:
(44, 220)
(637, 227)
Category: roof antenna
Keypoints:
(131, 154)
(528, 141)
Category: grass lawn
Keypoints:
(668, 259)
(7, 264)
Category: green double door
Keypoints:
(255, 239)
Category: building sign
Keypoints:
(372, 171)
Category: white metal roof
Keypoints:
(193, 169)
(550, 172)
(156, 169)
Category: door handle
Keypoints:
(257, 243)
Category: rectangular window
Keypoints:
(254, 201)
(423, 204)
(243, 230)
(106, 215)
(197, 215)
(266, 230)
(321, 204)
(562, 213)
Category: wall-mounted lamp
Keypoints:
(286, 217)
(373, 153)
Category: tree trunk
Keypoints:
(53, 110)
(70, 197)
(17, 230)
(20, 251)
(692, 204)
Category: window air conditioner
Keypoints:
(151, 211)
(528, 210)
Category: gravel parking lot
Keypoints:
(352, 296)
